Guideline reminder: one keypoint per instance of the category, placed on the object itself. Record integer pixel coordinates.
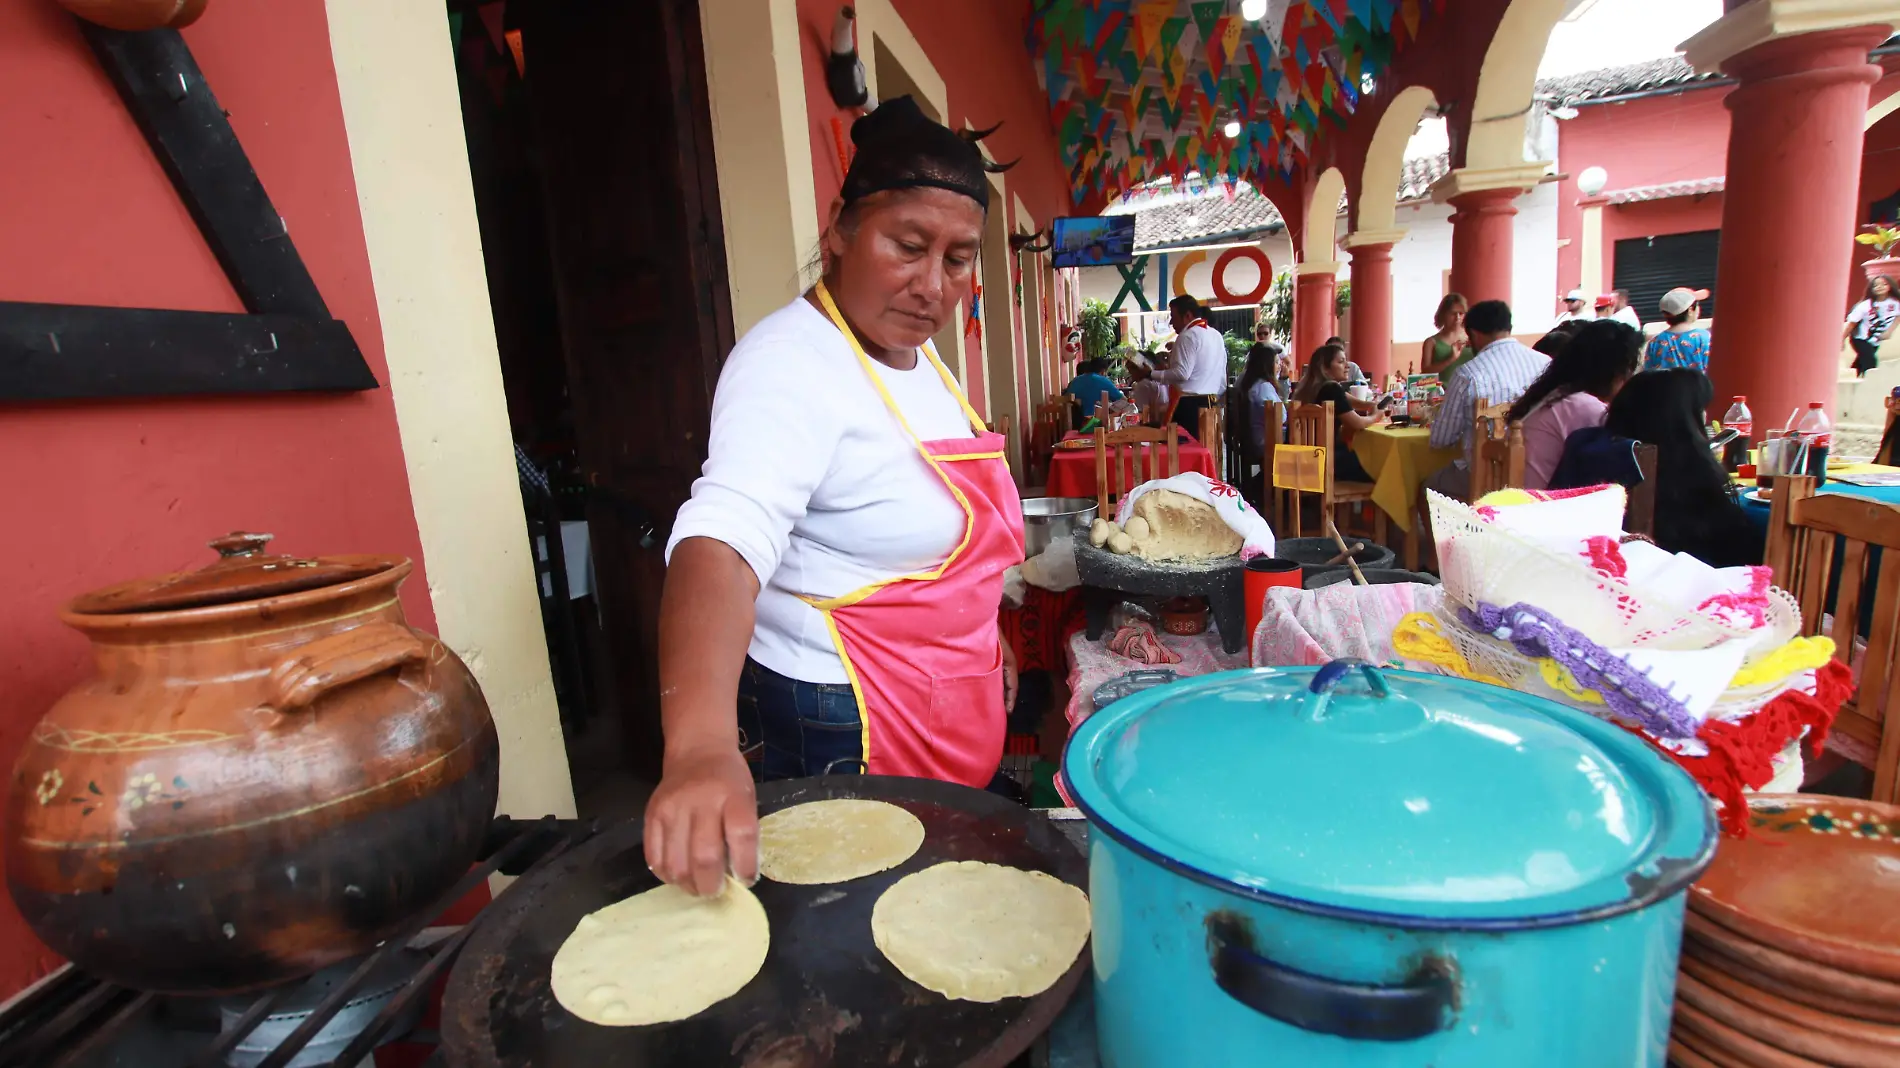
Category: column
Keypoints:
(1481, 223)
(1793, 169)
(1590, 248)
(1313, 317)
(1372, 299)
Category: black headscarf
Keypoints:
(899, 147)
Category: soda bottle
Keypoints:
(1818, 433)
(1742, 421)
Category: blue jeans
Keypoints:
(793, 730)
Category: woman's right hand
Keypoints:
(703, 821)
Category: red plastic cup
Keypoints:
(1262, 574)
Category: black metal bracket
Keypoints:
(288, 342)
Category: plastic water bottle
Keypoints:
(1818, 433)
(1742, 421)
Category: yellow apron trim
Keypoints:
(830, 604)
(972, 456)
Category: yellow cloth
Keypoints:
(1399, 459)
(1800, 654)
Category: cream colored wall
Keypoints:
(403, 113)
(1318, 241)
(762, 147)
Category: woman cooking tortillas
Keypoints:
(838, 569)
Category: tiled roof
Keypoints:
(1211, 217)
(1591, 85)
(1204, 218)
(1693, 187)
(1418, 175)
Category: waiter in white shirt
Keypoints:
(832, 586)
(1199, 370)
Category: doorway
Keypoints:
(599, 209)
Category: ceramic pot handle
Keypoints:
(340, 659)
(1422, 1005)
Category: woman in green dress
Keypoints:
(1448, 349)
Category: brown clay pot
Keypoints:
(268, 773)
(137, 14)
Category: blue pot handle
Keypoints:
(1423, 1005)
(1335, 672)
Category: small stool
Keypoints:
(1106, 576)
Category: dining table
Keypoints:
(1400, 459)
(1072, 468)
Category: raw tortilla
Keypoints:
(981, 932)
(1180, 529)
(832, 841)
(660, 956)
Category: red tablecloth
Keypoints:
(1072, 471)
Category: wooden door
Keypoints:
(624, 138)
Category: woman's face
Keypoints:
(1455, 317)
(1881, 289)
(901, 263)
(1336, 368)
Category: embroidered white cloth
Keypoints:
(1233, 509)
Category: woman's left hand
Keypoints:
(1009, 675)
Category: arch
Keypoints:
(1505, 84)
(1377, 206)
(1321, 232)
(1882, 108)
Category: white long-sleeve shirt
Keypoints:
(813, 482)
(1200, 362)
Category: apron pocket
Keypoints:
(961, 705)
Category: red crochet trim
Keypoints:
(1752, 605)
(1741, 755)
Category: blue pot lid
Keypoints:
(1392, 793)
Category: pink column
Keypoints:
(1372, 309)
(1788, 215)
(1481, 243)
(1313, 317)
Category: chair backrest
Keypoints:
(1052, 421)
(1308, 426)
(1497, 454)
(1805, 532)
(1212, 439)
(1003, 425)
(1639, 516)
(1118, 460)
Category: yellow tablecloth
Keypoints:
(1399, 460)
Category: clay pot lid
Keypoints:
(1816, 878)
(242, 572)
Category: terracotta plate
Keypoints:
(1725, 1045)
(1791, 977)
(1685, 1056)
(1817, 877)
(1783, 1034)
(1740, 989)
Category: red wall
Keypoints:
(979, 51)
(98, 492)
(1673, 138)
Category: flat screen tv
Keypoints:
(1094, 240)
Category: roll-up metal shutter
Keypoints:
(1648, 267)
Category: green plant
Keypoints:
(1277, 310)
(1880, 237)
(1237, 347)
(1099, 329)
(1342, 299)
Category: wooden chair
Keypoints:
(1804, 530)
(1052, 422)
(1121, 452)
(1003, 425)
(1639, 516)
(1311, 425)
(1497, 454)
(1212, 439)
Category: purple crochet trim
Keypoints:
(1630, 693)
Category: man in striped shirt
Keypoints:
(1500, 373)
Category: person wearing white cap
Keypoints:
(1682, 343)
(1573, 307)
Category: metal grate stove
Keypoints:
(338, 1017)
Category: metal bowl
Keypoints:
(1047, 518)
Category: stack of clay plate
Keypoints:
(1791, 957)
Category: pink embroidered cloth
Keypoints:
(1311, 627)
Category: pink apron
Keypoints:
(922, 651)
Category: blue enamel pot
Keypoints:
(1347, 866)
